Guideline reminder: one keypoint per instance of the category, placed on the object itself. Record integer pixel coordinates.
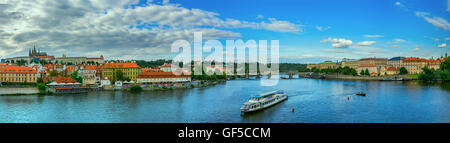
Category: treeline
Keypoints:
(152, 64)
(339, 70)
(289, 67)
(432, 75)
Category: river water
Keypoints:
(315, 101)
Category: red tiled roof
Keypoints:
(17, 69)
(71, 58)
(393, 68)
(53, 66)
(70, 69)
(414, 60)
(42, 57)
(120, 65)
(160, 75)
(143, 70)
(165, 65)
(71, 87)
(90, 67)
(60, 79)
(373, 73)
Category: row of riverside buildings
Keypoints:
(91, 74)
(94, 71)
(383, 66)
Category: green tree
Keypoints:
(445, 65)
(445, 75)
(53, 73)
(21, 62)
(119, 75)
(354, 72)
(403, 71)
(367, 72)
(41, 87)
(40, 80)
(135, 89)
(427, 74)
(75, 76)
(445, 70)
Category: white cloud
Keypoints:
(416, 49)
(435, 21)
(438, 22)
(448, 38)
(260, 16)
(373, 36)
(90, 26)
(396, 46)
(366, 43)
(442, 45)
(422, 14)
(321, 28)
(338, 43)
(401, 5)
(398, 40)
(280, 26)
(165, 2)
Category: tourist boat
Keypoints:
(263, 101)
(361, 94)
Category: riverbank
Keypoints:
(18, 91)
(315, 101)
(371, 78)
(194, 84)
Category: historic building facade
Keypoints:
(129, 69)
(153, 77)
(414, 65)
(395, 61)
(18, 74)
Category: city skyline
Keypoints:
(309, 31)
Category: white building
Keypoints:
(165, 67)
(162, 77)
(373, 70)
(89, 74)
(105, 82)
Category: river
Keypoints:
(315, 101)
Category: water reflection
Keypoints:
(313, 100)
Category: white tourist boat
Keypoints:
(263, 101)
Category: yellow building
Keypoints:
(374, 61)
(18, 74)
(328, 65)
(350, 64)
(414, 65)
(130, 70)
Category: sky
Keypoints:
(309, 31)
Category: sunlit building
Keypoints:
(18, 74)
(369, 67)
(378, 62)
(395, 61)
(129, 69)
(414, 65)
(162, 77)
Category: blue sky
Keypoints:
(348, 19)
(309, 31)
